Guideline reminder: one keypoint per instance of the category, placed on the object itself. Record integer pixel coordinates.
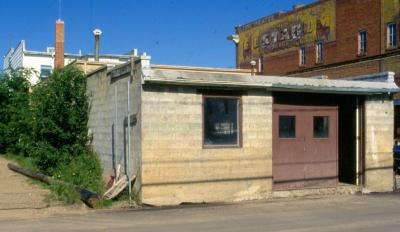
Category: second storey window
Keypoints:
(319, 52)
(391, 35)
(261, 64)
(302, 56)
(221, 121)
(45, 71)
(362, 42)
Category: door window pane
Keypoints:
(287, 127)
(221, 120)
(321, 127)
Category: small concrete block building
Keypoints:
(193, 134)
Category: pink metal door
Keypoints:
(305, 146)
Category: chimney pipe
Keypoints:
(59, 45)
(97, 33)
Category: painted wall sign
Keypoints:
(306, 26)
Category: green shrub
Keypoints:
(85, 171)
(14, 109)
(47, 128)
(60, 109)
(64, 193)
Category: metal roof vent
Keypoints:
(97, 33)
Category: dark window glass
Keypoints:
(287, 127)
(321, 127)
(221, 120)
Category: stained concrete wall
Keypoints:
(101, 118)
(108, 119)
(176, 168)
(379, 126)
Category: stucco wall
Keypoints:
(378, 144)
(175, 167)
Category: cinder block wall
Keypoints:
(108, 121)
(175, 167)
(101, 117)
(379, 111)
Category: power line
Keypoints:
(59, 9)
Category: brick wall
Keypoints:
(59, 45)
(367, 67)
(352, 16)
(382, 64)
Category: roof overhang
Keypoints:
(271, 83)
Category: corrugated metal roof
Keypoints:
(273, 83)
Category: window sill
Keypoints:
(391, 48)
(208, 147)
(361, 54)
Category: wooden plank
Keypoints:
(118, 187)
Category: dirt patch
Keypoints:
(21, 199)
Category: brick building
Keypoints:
(337, 38)
(334, 38)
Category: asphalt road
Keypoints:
(340, 213)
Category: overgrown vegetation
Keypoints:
(14, 110)
(46, 125)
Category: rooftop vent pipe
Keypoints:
(97, 33)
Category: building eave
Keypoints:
(271, 83)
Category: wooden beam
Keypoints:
(89, 198)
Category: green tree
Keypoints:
(60, 115)
(14, 109)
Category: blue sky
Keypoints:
(179, 32)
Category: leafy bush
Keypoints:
(84, 171)
(14, 109)
(60, 112)
(48, 128)
(79, 169)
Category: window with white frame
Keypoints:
(391, 35)
(362, 42)
(302, 56)
(319, 52)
